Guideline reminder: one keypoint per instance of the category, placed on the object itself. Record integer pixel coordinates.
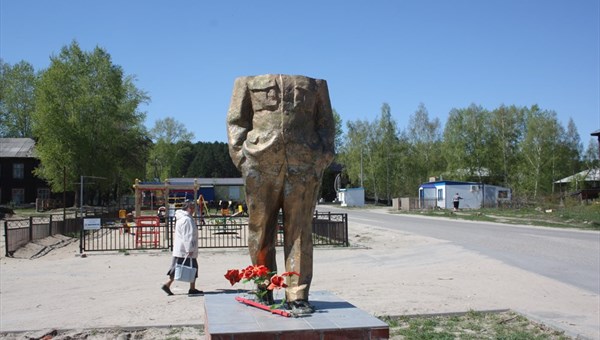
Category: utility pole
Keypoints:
(81, 191)
(597, 134)
(361, 168)
(64, 195)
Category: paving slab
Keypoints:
(226, 318)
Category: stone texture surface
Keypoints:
(226, 318)
(281, 137)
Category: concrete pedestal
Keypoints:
(334, 318)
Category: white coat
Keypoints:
(186, 235)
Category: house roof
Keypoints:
(585, 175)
(433, 184)
(188, 183)
(456, 183)
(206, 181)
(596, 133)
(17, 148)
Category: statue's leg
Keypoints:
(263, 197)
(301, 190)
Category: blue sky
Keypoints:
(444, 54)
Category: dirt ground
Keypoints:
(49, 289)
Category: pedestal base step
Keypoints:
(226, 318)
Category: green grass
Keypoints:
(472, 325)
(27, 212)
(549, 215)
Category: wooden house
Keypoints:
(19, 185)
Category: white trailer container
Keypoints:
(474, 195)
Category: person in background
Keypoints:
(129, 224)
(185, 244)
(201, 206)
(162, 214)
(456, 201)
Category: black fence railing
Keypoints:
(232, 231)
(221, 231)
(330, 229)
(113, 235)
(116, 236)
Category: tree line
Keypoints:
(522, 148)
(83, 111)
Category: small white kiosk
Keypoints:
(352, 197)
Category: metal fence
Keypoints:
(232, 231)
(221, 231)
(116, 236)
(113, 235)
(19, 232)
(330, 229)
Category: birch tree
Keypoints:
(424, 136)
(538, 147)
(466, 143)
(87, 122)
(17, 99)
(172, 142)
(507, 129)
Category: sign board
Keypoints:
(91, 224)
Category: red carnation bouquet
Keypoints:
(264, 279)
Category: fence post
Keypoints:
(30, 228)
(81, 236)
(6, 237)
(50, 226)
(346, 242)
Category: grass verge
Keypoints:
(581, 216)
(472, 325)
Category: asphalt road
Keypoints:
(569, 256)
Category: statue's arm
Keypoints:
(239, 120)
(325, 121)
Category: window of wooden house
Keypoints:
(43, 193)
(18, 195)
(19, 170)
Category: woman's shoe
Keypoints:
(195, 292)
(167, 290)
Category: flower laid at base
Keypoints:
(265, 281)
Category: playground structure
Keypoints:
(167, 194)
(207, 192)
